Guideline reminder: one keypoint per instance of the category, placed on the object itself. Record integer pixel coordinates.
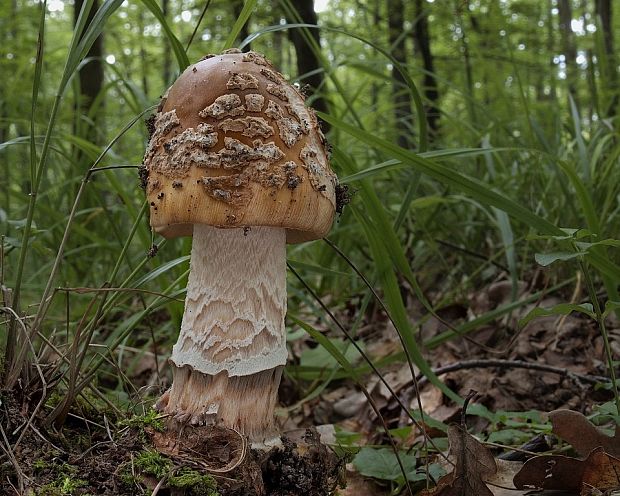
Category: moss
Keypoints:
(85, 405)
(39, 465)
(194, 483)
(150, 419)
(65, 484)
(127, 477)
(150, 462)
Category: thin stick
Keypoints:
(519, 364)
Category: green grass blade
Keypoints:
(244, 16)
(177, 48)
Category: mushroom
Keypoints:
(237, 161)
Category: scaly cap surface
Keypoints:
(233, 145)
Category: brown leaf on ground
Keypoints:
(358, 485)
(576, 429)
(599, 470)
(602, 471)
(473, 464)
(500, 483)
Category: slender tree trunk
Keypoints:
(400, 93)
(469, 78)
(568, 47)
(609, 73)
(422, 41)
(87, 123)
(278, 36)
(143, 55)
(91, 74)
(374, 89)
(308, 63)
(550, 50)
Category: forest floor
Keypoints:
(519, 373)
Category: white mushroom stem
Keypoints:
(228, 360)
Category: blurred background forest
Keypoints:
(479, 142)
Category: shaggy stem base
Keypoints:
(244, 403)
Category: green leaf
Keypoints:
(546, 259)
(610, 306)
(321, 356)
(328, 344)
(239, 23)
(509, 436)
(381, 463)
(561, 309)
(177, 48)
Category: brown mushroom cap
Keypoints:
(233, 146)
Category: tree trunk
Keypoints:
(375, 87)
(568, 47)
(308, 63)
(609, 71)
(422, 41)
(143, 55)
(86, 123)
(400, 93)
(91, 74)
(469, 77)
(550, 50)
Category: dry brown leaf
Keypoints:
(599, 470)
(602, 471)
(550, 472)
(576, 429)
(500, 483)
(473, 464)
(358, 485)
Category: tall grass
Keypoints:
(78, 282)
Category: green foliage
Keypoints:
(381, 463)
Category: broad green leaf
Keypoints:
(610, 306)
(381, 463)
(323, 358)
(561, 309)
(546, 259)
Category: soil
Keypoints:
(86, 458)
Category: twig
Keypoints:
(39, 371)
(6, 447)
(158, 486)
(518, 364)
